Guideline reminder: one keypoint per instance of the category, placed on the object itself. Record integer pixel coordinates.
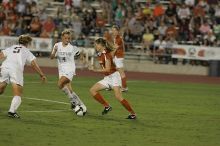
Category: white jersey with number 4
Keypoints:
(65, 56)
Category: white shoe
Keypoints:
(108, 89)
(124, 89)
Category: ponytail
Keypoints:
(109, 47)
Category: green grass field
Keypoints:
(169, 114)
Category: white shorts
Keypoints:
(11, 76)
(119, 62)
(111, 80)
(68, 73)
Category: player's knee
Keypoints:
(92, 91)
(60, 85)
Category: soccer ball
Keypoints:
(80, 110)
(84, 108)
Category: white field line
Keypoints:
(54, 82)
(41, 99)
(47, 111)
(45, 100)
(39, 82)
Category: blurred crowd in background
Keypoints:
(145, 25)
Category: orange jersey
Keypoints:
(119, 53)
(102, 59)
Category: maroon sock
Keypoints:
(127, 106)
(101, 99)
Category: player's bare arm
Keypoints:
(53, 53)
(35, 66)
(107, 67)
(2, 55)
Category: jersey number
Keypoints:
(16, 50)
(64, 59)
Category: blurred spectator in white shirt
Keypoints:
(162, 29)
(159, 46)
(183, 12)
(34, 9)
(190, 3)
(20, 8)
(77, 3)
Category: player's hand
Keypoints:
(43, 78)
(55, 48)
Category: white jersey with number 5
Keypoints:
(16, 57)
(13, 66)
(65, 56)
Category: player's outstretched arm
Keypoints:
(35, 66)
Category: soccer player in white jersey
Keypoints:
(12, 69)
(65, 53)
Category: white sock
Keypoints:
(76, 97)
(15, 103)
(69, 94)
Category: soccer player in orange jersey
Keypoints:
(111, 79)
(119, 55)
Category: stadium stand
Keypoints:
(148, 27)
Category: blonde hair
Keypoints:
(116, 27)
(68, 32)
(24, 39)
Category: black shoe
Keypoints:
(73, 105)
(13, 115)
(132, 116)
(106, 110)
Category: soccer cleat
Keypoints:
(132, 116)
(13, 115)
(108, 89)
(73, 105)
(106, 110)
(124, 89)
